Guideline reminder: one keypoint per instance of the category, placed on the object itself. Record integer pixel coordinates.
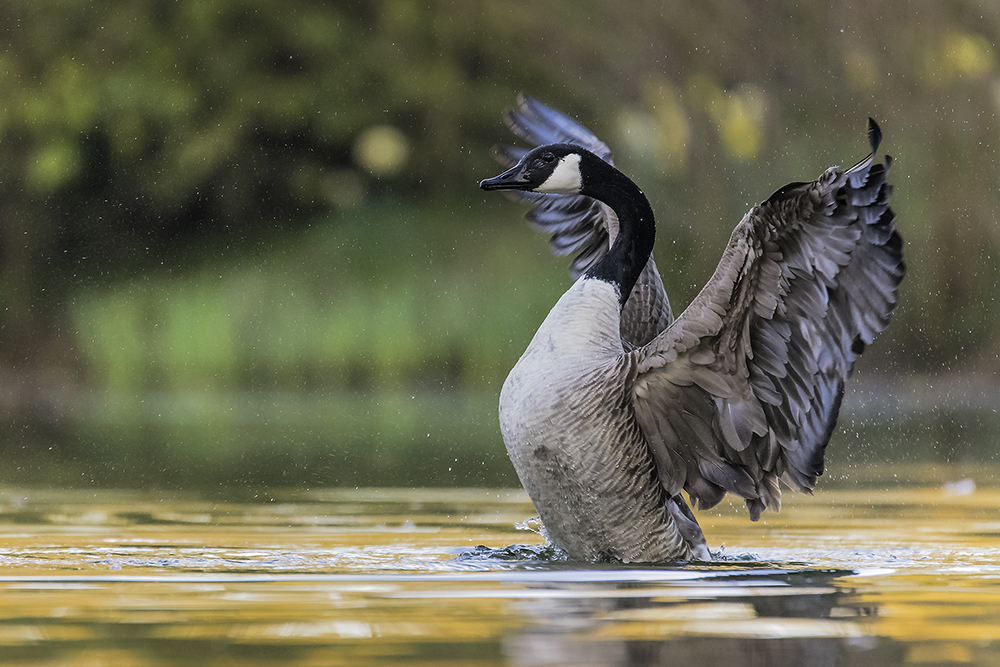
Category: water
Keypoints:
(887, 574)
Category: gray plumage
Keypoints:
(614, 410)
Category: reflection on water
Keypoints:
(862, 576)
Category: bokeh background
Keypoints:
(241, 243)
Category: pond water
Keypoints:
(886, 574)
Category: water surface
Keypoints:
(856, 575)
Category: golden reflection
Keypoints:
(890, 575)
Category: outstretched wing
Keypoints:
(579, 225)
(745, 387)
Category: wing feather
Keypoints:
(745, 386)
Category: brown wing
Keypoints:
(579, 225)
(745, 387)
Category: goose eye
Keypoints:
(548, 157)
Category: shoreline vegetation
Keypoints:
(299, 368)
(243, 241)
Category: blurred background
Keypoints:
(241, 243)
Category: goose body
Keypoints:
(615, 408)
(583, 460)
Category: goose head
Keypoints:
(550, 168)
(569, 170)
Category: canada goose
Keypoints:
(613, 409)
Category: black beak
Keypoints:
(512, 179)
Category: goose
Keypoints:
(616, 408)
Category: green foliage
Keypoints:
(164, 160)
(366, 301)
(333, 357)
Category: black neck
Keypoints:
(636, 228)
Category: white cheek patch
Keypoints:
(565, 178)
